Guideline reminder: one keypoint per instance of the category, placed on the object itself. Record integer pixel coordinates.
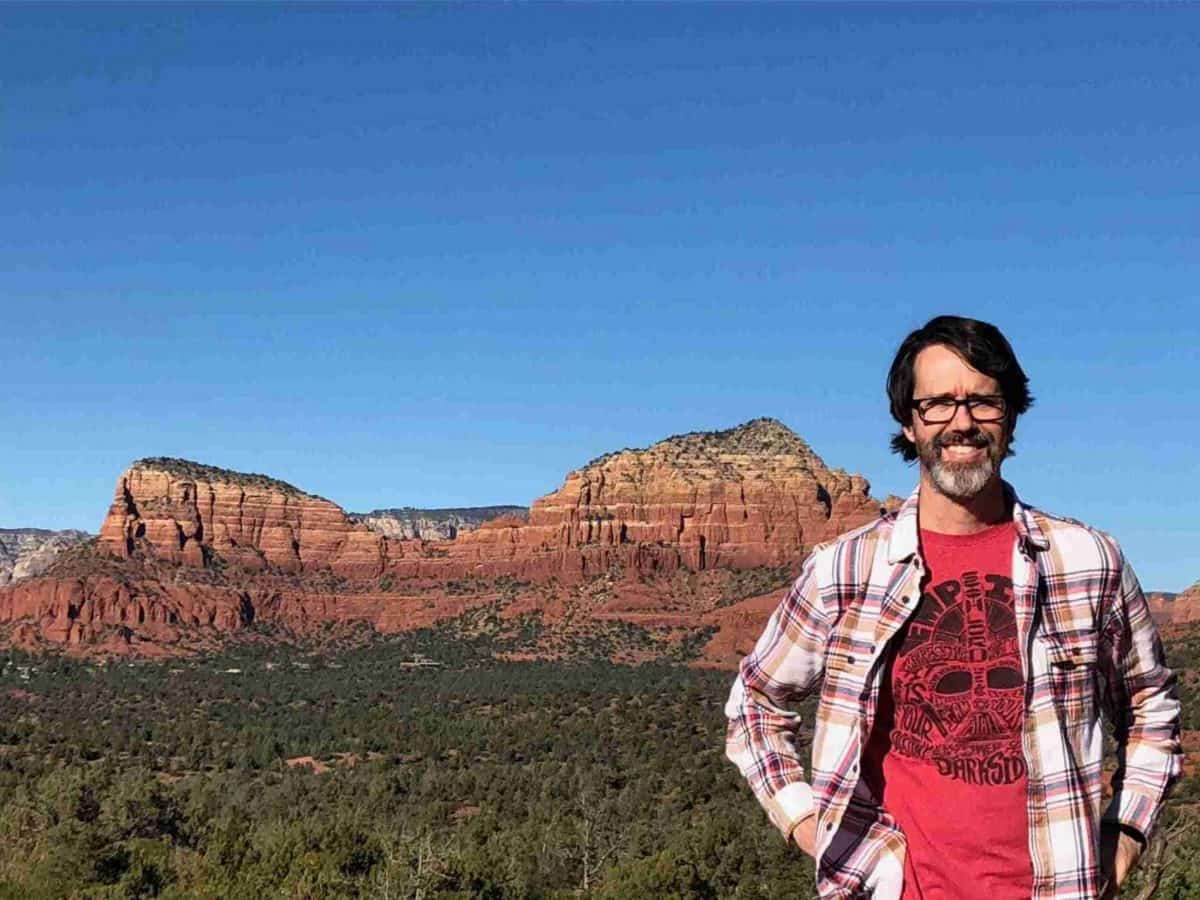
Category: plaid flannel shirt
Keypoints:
(1086, 640)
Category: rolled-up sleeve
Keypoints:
(1141, 703)
(786, 665)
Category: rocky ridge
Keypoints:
(754, 495)
(25, 552)
(749, 496)
(693, 535)
(408, 523)
(1175, 609)
(178, 511)
(187, 546)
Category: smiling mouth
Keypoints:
(962, 452)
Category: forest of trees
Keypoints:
(437, 772)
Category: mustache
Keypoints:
(973, 438)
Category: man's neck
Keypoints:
(946, 515)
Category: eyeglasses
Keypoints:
(940, 410)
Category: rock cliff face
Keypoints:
(86, 610)
(1175, 609)
(191, 546)
(25, 552)
(185, 512)
(408, 523)
(755, 495)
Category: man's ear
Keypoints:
(909, 433)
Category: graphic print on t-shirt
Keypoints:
(959, 692)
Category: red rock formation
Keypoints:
(189, 513)
(79, 610)
(756, 495)
(738, 627)
(1175, 609)
(751, 496)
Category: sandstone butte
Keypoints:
(186, 545)
(751, 496)
(1176, 609)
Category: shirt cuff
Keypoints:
(789, 805)
(1133, 811)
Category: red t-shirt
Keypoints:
(944, 757)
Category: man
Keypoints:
(961, 649)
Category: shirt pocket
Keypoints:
(1073, 675)
(848, 665)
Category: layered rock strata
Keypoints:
(1175, 609)
(76, 611)
(198, 515)
(196, 546)
(755, 495)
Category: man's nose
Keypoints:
(962, 420)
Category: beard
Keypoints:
(961, 481)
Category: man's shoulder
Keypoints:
(1073, 542)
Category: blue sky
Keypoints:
(441, 255)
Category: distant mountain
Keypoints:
(656, 536)
(25, 552)
(691, 540)
(1175, 609)
(413, 523)
(754, 495)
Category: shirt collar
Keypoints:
(904, 540)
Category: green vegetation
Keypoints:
(443, 773)
(765, 436)
(716, 588)
(186, 468)
(449, 775)
(491, 632)
(745, 583)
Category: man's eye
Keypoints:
(986, 403)
(939, 404)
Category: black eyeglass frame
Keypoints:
(994, 400)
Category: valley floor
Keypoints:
(413, 765)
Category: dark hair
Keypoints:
(981, 345)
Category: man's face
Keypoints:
(962, 455)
